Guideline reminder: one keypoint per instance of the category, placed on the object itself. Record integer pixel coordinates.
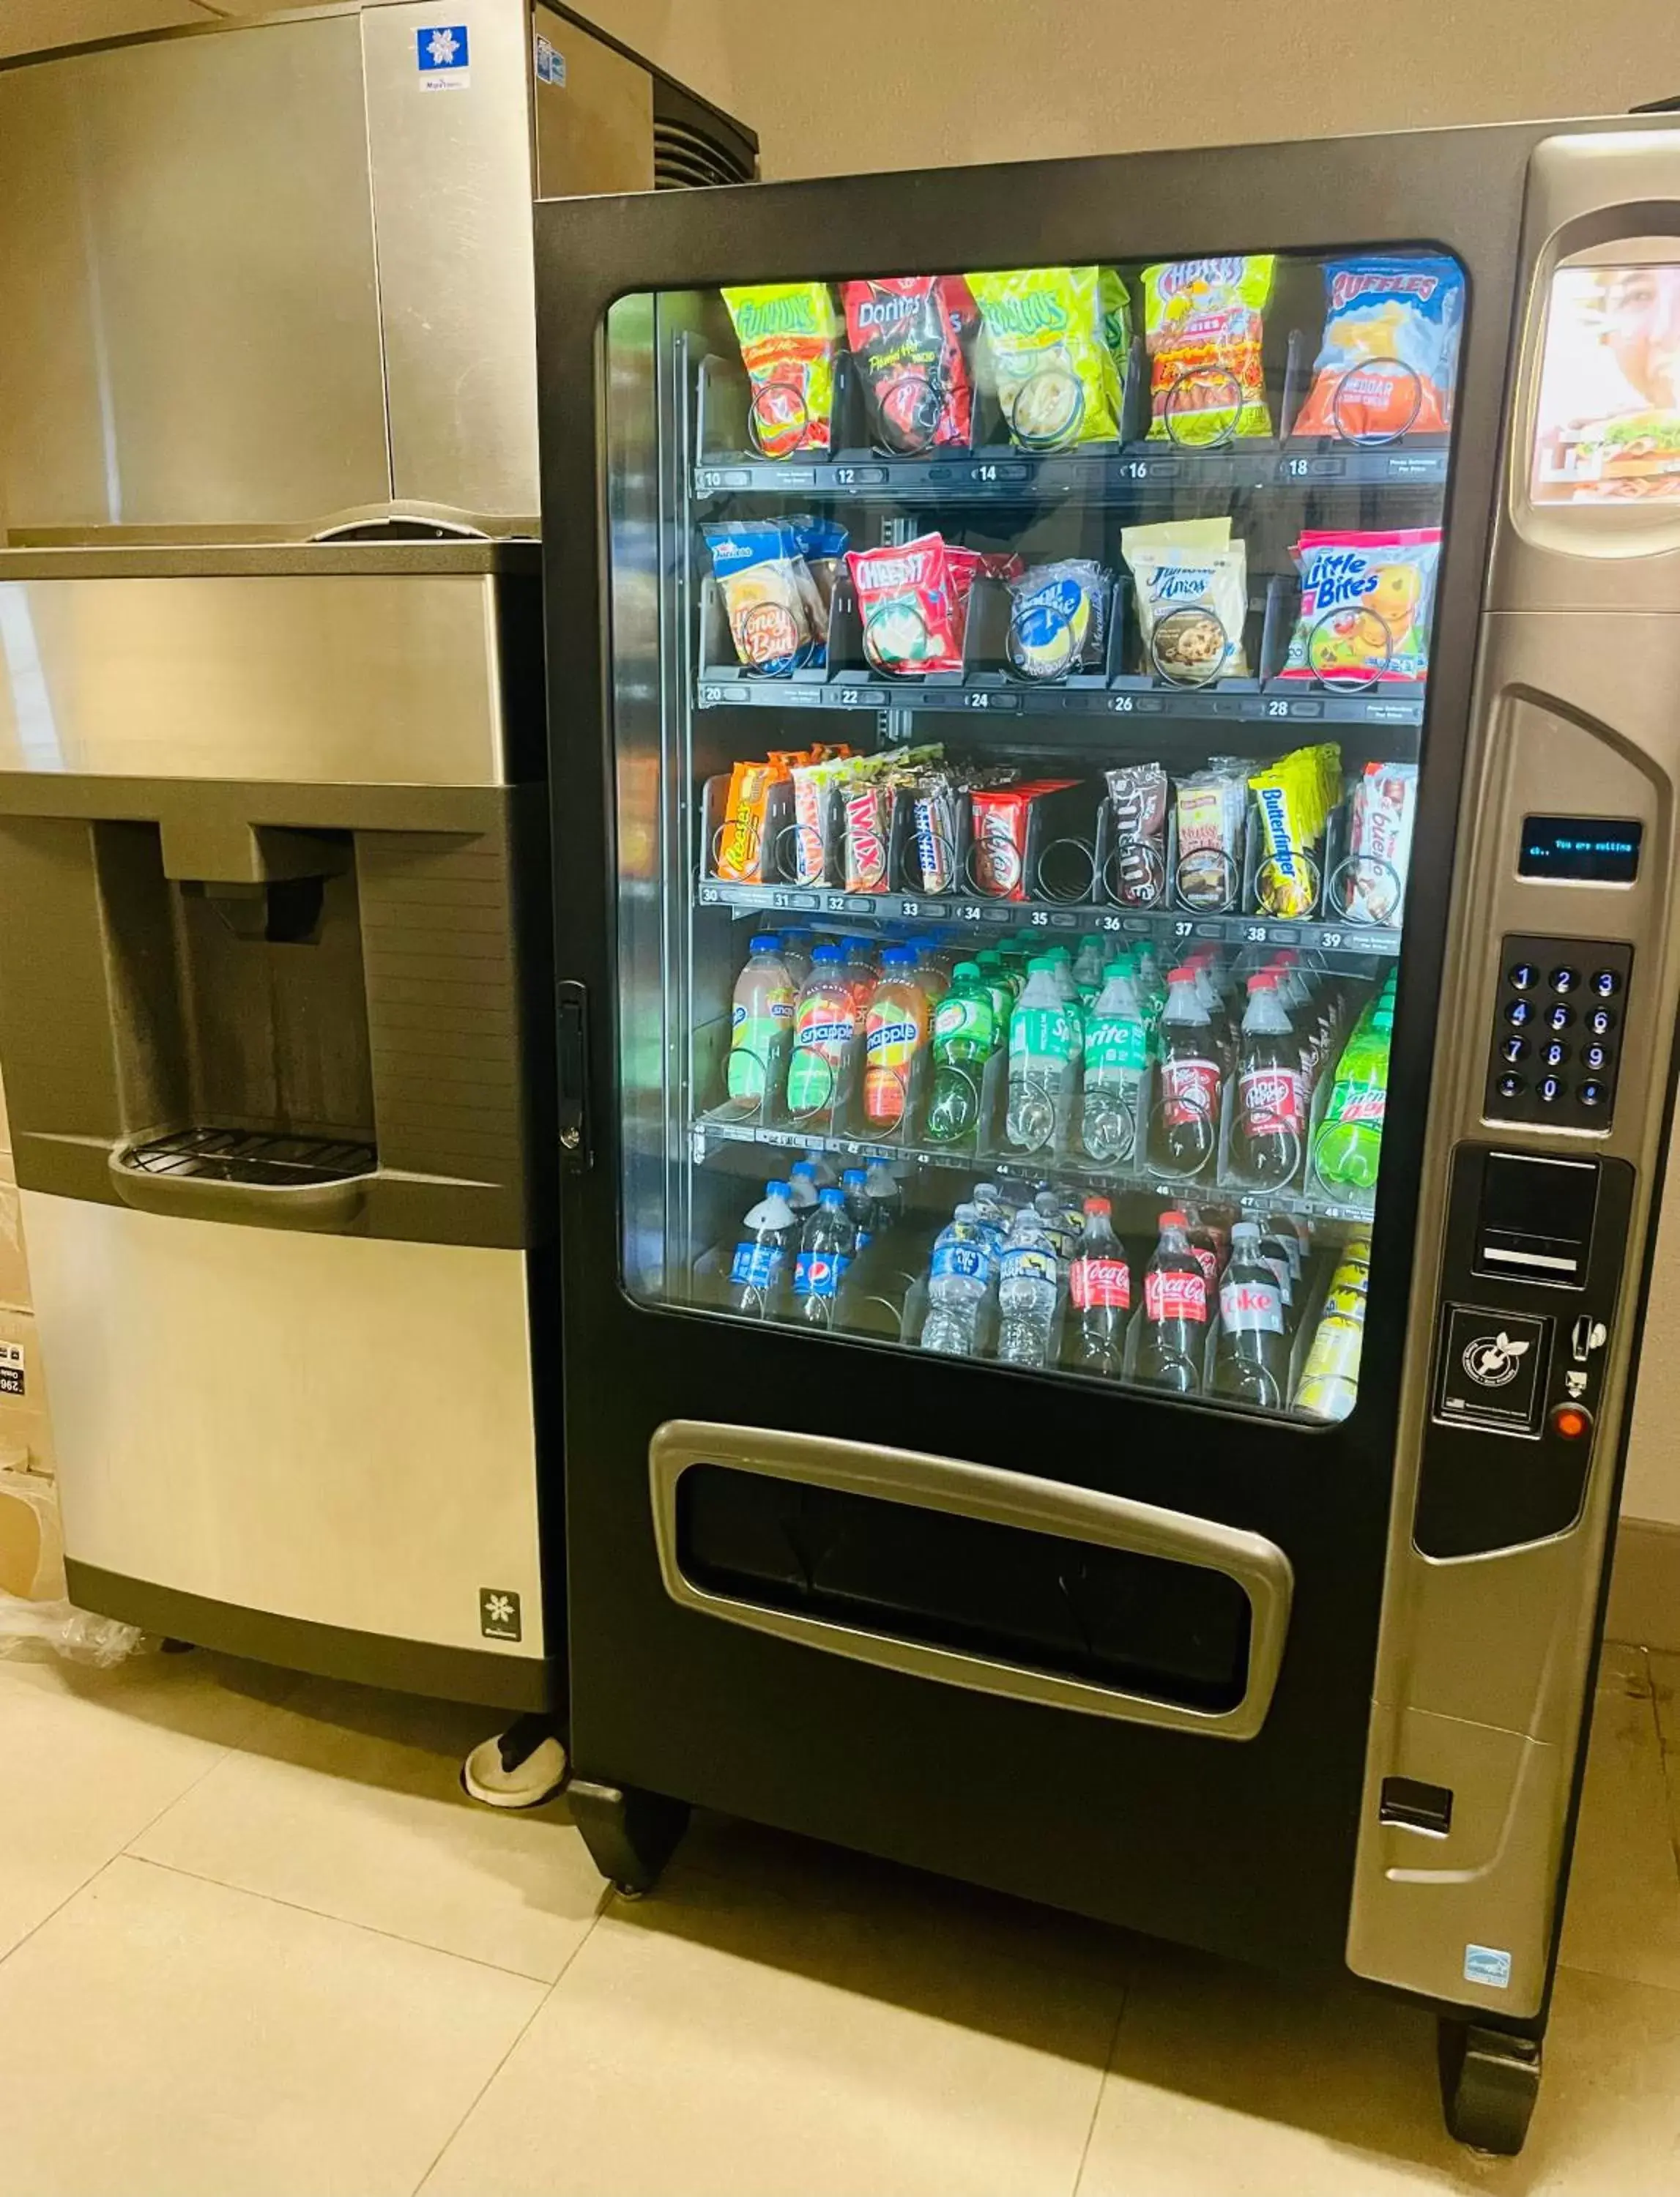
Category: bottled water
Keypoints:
(1029, 1285)
(957, 1283)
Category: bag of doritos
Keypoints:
(1203, 324)
(1047, 330)
(786, 331)
(1390, 353)
(909, 338)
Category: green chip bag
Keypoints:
(1047, 329)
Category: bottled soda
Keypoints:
(1186, 1123)
(761, 1025)
(826, 1249)
(1330, 1379)
(825, 1030)
(1116, 1055)
(1207, 1248)
(957, 1283)
(1349, 1142)
(861, 971)
(1099, 1297)
(1029, 1288)
(758, 1271)
(803, 1187)
(1271, 1121)
(895, 1037)
(860, 1211)
(886, 1199)
(822, 1169)
(796, 947)
(965, 1036)
(1171, 1347)
(1089, 968)
(1282, 1255)
(1251, 1358)
(1041, 1061)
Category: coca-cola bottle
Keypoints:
(1185, 1129)
(1205, 1248)
(1268, 1135)
(1251, 1359)
(1099, 1297)
(1174, 1334)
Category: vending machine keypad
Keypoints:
(1558, 1015)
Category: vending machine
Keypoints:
(1114, 775)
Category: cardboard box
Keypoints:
(24, 1425)
(5, 1126)
(14, 1265)
(31, 1546)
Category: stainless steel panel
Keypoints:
(188, 329)
(1007, 1499)
(452, 178)
(594, 132)
(329, 1429)
(1483, 1661)
(381, 680)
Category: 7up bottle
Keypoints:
(965, 1036)
(1043, 1049)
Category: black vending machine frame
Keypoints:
(1247, 1849)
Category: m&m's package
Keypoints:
(909, 605)
(1366, 599)
(1203, 324)
(1049, 332)
(786, 331)
(909, 338)
(1390, 352)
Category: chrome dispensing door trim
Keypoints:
(1258, 1566)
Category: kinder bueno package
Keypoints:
(1366, 601)
(909, 338)
(1390, 354)
(1372, 878)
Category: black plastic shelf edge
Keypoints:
(1118, 475)
(717, 690)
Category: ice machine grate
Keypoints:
(265, 1158)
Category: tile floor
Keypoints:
(253, 1943)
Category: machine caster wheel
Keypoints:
(1489, 2080)
(630, 1835)
(171, 1647)
(521, 1768)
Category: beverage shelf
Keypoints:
(706, 1134)
(987, 917)
(720, 687)
(1117, 474)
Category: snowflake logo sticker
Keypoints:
(499, 1616)
(443, 51)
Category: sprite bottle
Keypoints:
(965, 1036)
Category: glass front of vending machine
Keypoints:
(1025, 686)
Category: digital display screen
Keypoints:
(1600, 850)
(1607, 429)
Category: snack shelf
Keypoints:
(983, 916)
(717, 689)
(706, 1135)
(1114, 475)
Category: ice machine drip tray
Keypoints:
(252, 1156)
(255, 1179)
(992, 1580)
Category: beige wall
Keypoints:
(885, 84)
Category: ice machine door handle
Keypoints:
(1015, 1500)
(573, 1050)
(319, 1204)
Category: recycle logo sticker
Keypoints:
(1493, 1361)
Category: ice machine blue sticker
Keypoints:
(550, 66)
(442, 49)
(1486, 1964)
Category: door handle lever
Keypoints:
(573, 1062)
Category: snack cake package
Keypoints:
(1048, 334)
(1057, 619)
(786, 331)
(1390, 353)
(909, 338)
(1203, 326)
(769, 597)
(1365, 605)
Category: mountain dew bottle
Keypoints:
(966, 1032)
(1349, 1142)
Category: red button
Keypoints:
(1570, 1421)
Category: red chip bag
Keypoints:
(907, 337)
(909, 608)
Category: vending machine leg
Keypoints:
(630, 1835)
(1489, 2080)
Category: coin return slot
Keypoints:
(1408, 1804)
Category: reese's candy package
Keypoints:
(1365, 604)
(786, 331)
(908, 337)
(1203, 323)
(1046, 331)
(907, 605)
(769, 596)
(1390, 353)
(1192, 583)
